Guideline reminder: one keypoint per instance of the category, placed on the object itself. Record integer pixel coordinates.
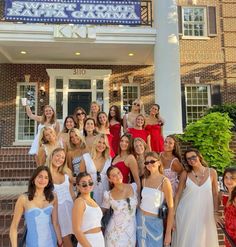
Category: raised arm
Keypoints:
(77, 218)
(18, 211)
(31, 115)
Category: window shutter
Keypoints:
(215, 95)
(183, 99)
(211, 14)
(180, 20)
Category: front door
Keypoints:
(82, 99)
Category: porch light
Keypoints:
(42, 89)
(115, 89)
(131, 54)
(77, 53)
(23, 52)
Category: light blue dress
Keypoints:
(40, 231)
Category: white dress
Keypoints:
(195, 224)
(65, 205)
(121, 229)
(35, 144)
(103, 185)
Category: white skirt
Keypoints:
(95, 239)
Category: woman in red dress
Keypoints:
(126, 162)
(229, 202)
(154, 124)
(115, 126)
(139, 131)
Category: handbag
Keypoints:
(163, 209)
(22, 242)
(106, 217)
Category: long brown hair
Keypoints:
(48, 190)
(156, 156)
(53, 119)
(176, 151)
(189, 168)
(130, 146)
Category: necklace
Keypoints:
(199, 177)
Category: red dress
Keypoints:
(110, 139)
(157, 140)
(124, 170)
(115, 132)
(138, 133)
(230, 220)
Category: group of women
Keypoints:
(89, 170)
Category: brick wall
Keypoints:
(11, 74)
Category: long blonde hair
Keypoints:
(99, 109)
(42, 139)
(78, 134)
(53, 119)
(106, 152)
(64, 169)
(139, 101)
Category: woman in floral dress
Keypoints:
(121, 229)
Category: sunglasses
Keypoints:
(150, 162)
(194, 157)
(137, 104)
(84, 185)
(82, 113)
(128, 201)
(99, 178)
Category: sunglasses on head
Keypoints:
(84, 185)
(80, 113)
(194, 157)
(150, 162)
(137, 104)
(99, 178)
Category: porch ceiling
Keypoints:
(64, 53)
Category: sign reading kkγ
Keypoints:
(124, 12)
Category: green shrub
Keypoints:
(227, 108)
(211, 135)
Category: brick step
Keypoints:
(4, 236)
(7, 202)
(17, 164)
(6, 219)
(13, 158)
(11, 174)
(14, 150)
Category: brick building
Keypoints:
(182, 57)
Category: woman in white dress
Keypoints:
(123, 199)
(96, 164)
(48, 118)
(196, 201)
(61, 176)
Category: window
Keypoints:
(25, 127)
(130, 93)
(197, 101)
(197, 21)
(194, 21)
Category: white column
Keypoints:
(167, 65)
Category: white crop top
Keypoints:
(91, 218)
(151, 199)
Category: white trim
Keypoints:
(66, 74)
(205, 23)
(22, 142)
(121, 90)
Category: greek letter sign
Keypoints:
(123, 12)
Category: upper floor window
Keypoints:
(197, 21)
(194, 21)
(129, 94)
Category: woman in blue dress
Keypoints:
(39, 206)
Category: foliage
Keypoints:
(227, 108)
(211, 135)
